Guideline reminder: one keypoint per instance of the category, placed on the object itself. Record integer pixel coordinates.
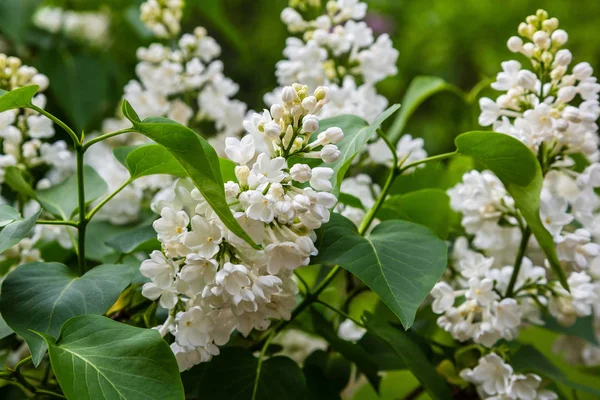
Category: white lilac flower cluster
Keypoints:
(210, 280)
(163, 17)
(339, 50)
(84, 26)
(473, 299)
(185, 84)
(23, 132)
(496, 379)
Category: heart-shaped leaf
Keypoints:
(99, 358)
(398, 260)
(152, 159)
(520, 172)
(42, 296)
(196, 157)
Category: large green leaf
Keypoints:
(197, 158)
(529, 359)
(399, 260)
(232, 376)
(12, 233)
(61, 200)
(18, 98)
(42, 296)
(7, 215)
(152, 159)
(349, 350)
(357, 133)
(402, 344)
(518, 169)
(98, 358)
(419, 90)
(428, 207)
(142, 237)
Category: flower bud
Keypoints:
(582, 71)
(272, 130)
(559, 37)
(40, 80)
(515, 44)
(301, 173)
(288, 94)
(310, 124)
(297, 111)
(322, 93)
(541, 39)
(571, 114)
(232, 189)
(541, 14)
(550, 24)
(527, 79)
(277, 111)
(558, 72)
(562, 57)
(566, 94)
(528, 49)
(547, 57)
(309, 103)
(334, 135)
(330, 153)
(560, 125)
(242, 172)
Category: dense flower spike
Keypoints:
(211, 281)
(163, 17)
(339, 50)
(540, 109)
(185, 84)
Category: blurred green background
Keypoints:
(460, 41)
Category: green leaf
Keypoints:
(398, 260)
(196, 157)
(529, 359)
(227, 170)
(97, 234)
(134, 240)
(8, 215)
(42, 296)
(327, 374)
(349, 350)
(401, 344)
(18, 98)
(105, 359)
(385, 359)
(61, 200)
(152, 159)
(518, 169)
(428, 207)
(350, 200)
(4, 329)
(357, 133)
(583, 328)
(232, 375)
(14, 178)
(419, 90)
(12, 233)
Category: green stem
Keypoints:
(50, 393)
(16, 373)
(72, 134)
(260, 362)
(81, 226)
(107, 199)
(341, 313)
(518, 262)
(106, 136)
(303, 281)
(57, 222)
(426, 160)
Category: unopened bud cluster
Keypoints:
(163, 17)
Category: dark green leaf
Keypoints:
(152, 159)
(105, 359)
(327, 374)
(398, 260)
(8, 215)
(518, 169)
(197, 158)
(97, 234)
(410, 352)
(350, 200)
(14, 178)
(357, 133)
(61, 200)
(232, 376)
(428, 207)
(419, 90)
(42, 296)
(18, 98)
(133, 240)
(350, 350)
(380, 353)
(12, 233)
(529, 359)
